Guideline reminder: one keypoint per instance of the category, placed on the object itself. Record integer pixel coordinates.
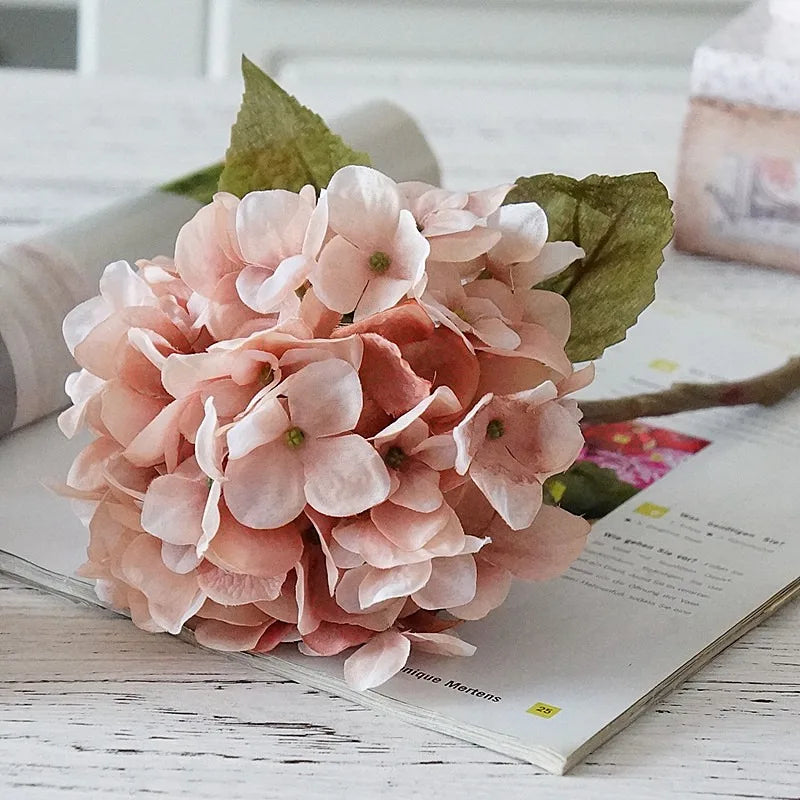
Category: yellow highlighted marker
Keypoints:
(543, 710)
(652, 510)
(664, 365)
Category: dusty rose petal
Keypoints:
(402, 324)
(388, 379)
(248, 615)
(493, 584)
(517, 501)
(263, 553)
(452, 583)
(323, 526)
(308, 618)
(265, 488)
(173, 509)
(543, 550)
(443, 644)
(125, 412)
(385, 584)
(180, 558)
(233, 590)
(265, 423)
(339, 279)
(171, 599)
(272, 637)
(331, 638)
(409, 530)
(377, 661)
(226, 637)
(344, 475)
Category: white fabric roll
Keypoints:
(42, 279)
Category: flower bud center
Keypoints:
(495, 429)
(294, 437)
(265, 374)
(461, 314)
(209, 482)
(395, 457)
(379, 262)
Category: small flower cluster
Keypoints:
(328, 420)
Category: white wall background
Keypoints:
(207, 37)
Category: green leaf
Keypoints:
(588, 490)
(277, 143)
(199, 185)
(623, 224)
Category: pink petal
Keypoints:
(516, 499)
(160, 438)
(543, 550)
(386, 584)
(272, 637)
(173, 509)
(83, 319)
(402, 324)
(377, 661)
(452, 583)
(234, 590)
(331, 638)
(548, 309)
(262, 553)
(418, 489)
(248, 615)
(265, 291)
(463, 245)
(324, 397)
(380, 293)
(493, 584)
(208, 449)
(344, 475)
(323, 526)
(180, 558)
(125, 412)
(340, 277)
(171, 599)
(487, 201)
(409, 530)
(265, 488)
(554, 257)
(443, 644)
(524, 230)
(363, 205)
(226, 637)
(308, 618)
(265, 423)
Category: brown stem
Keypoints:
(766, 390)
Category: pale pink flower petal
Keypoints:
(541, 551)
(409, 530)
(230, 589)
(209, 447)
(443, 644)
(324, 397)
(553, 258)
(126, 413)
(180, 558)
(418, 489)
(493, 584)
(226, 637)
(386, 584)
(341, 275)
(173, 509)
(344, 475)
(263, 553)
(248, 615)
(516, 499)
(524, 232)
(265, 488)
(171, 598)
(377, 661)
(265, 423)
(453, 582)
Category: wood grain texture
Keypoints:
(90, 707)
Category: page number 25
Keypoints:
(543, 710)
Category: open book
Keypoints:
(704, 550)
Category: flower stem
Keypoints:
(765, 390)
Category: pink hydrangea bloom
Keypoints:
(269, 474)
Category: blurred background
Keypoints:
(205, 37)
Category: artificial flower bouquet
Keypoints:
(335, 416)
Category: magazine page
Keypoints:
(695, 550)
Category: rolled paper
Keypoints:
(43, 278)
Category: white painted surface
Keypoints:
(206, 37)
(94, 708)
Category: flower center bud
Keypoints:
(294, 437)
(395, 457)
(495, 429)
(461, 314)
(265, 374)
(209, 482)
(379, 262)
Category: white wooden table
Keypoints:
(92, 707)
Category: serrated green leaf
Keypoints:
(623, 224)
(200, 185)
(277, 143)
(588, 490)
